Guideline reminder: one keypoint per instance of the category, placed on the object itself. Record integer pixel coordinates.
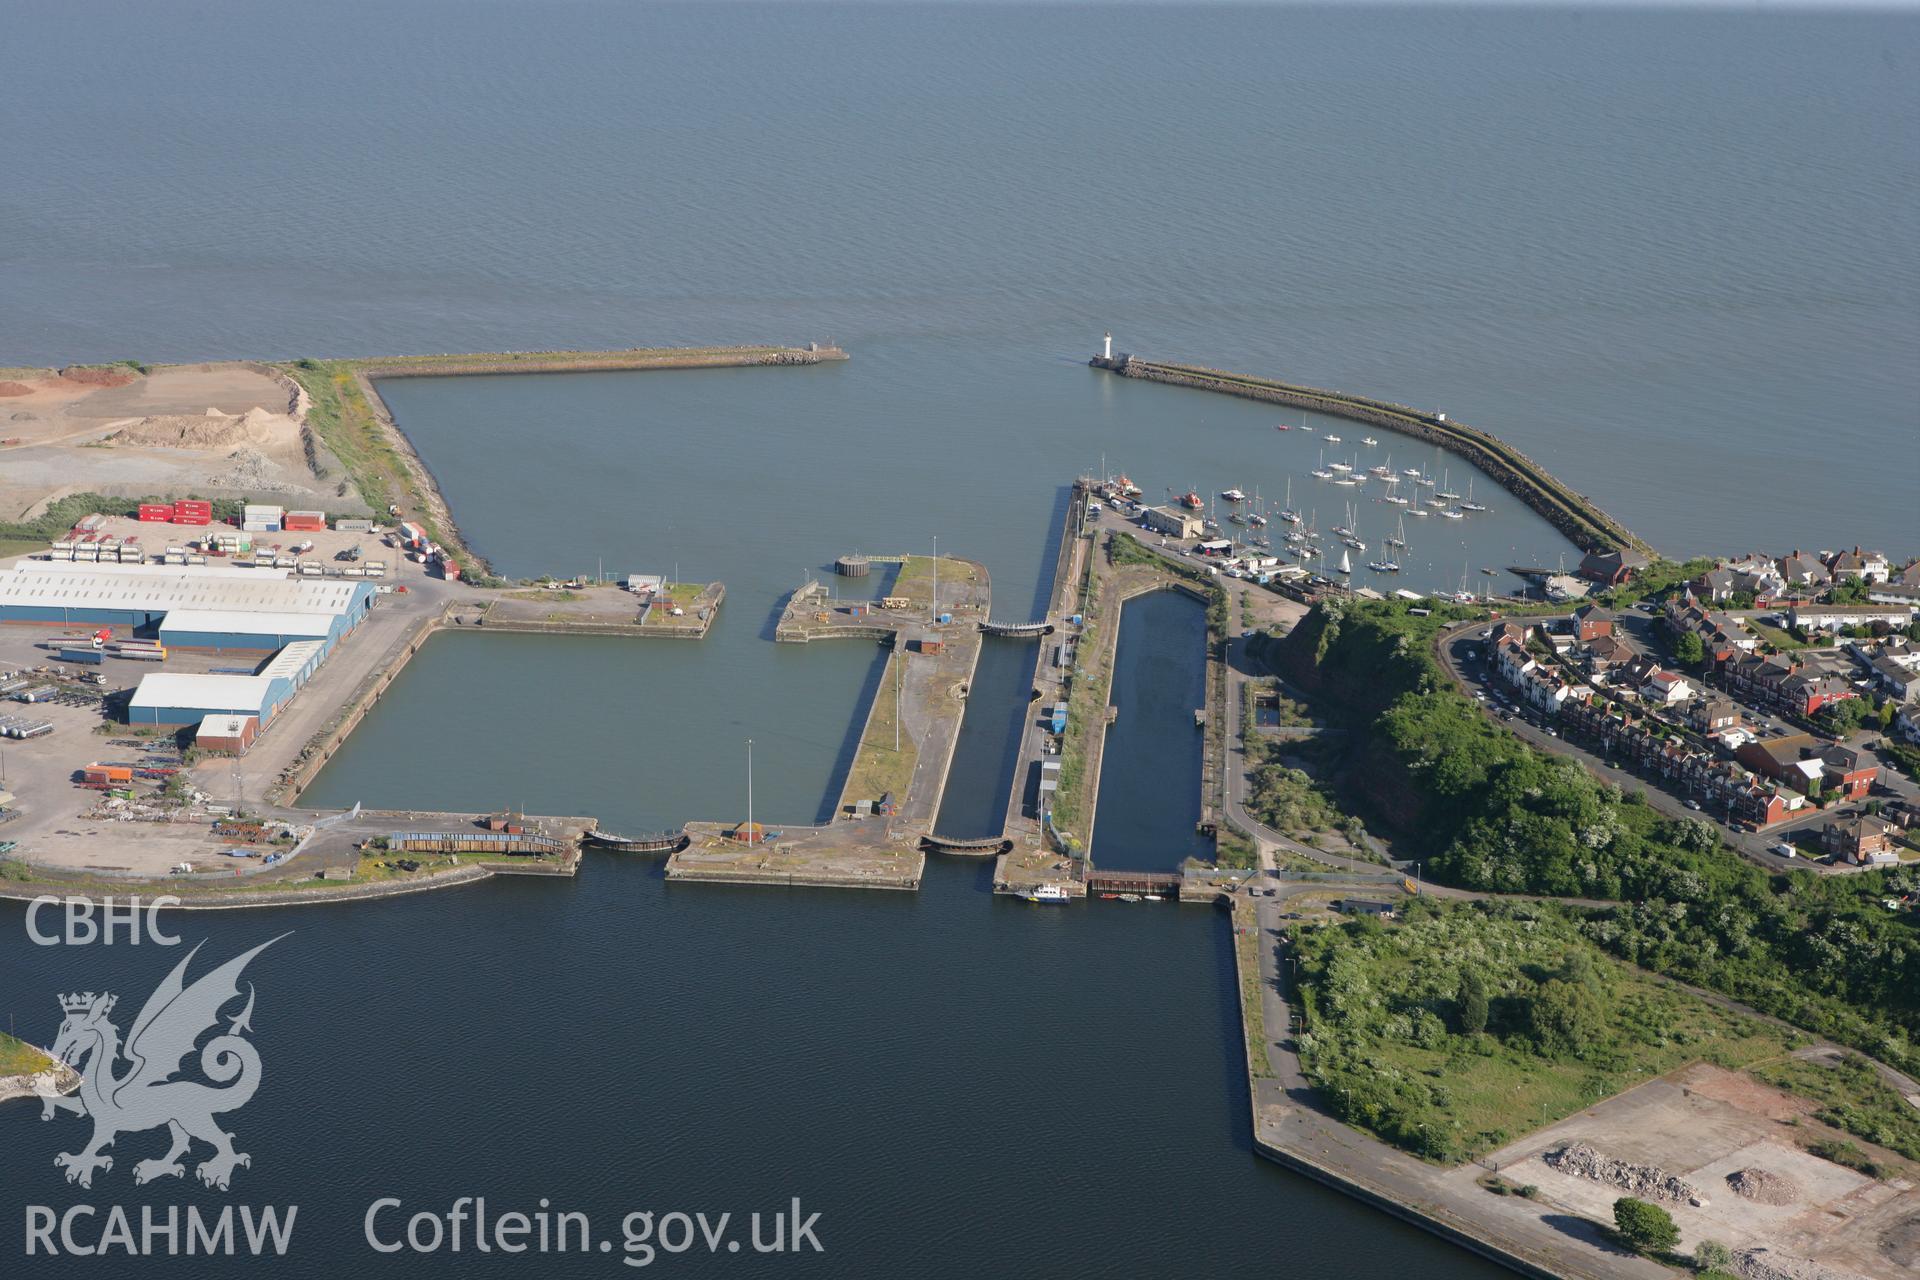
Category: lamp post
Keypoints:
(750, 839)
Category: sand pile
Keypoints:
(1764, 1186)
(1642, 1180)
(15, 389)
(210, 430)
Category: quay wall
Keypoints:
(950, 747)
(320, 893)
(798, 880)
(322, 746)
(1574, 514)
(890, 670)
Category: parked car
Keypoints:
(1694, 805)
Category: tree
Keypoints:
(1689, 648)
(1473, 1002)
(1647, 1227)
(1565, 1017)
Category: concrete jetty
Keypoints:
(1574, 514)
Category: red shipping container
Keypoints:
(304, 520)
(188, 511)
(153, 512)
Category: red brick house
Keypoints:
(1861, 841)
(1590, 622)
(1846, 772)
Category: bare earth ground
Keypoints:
(220, 430)
(1704, 1123)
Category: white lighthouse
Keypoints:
(1107, 354)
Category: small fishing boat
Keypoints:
(1233, 495)
(1257, 520)
(1368, 441)
(1053, 894)
(1333, 439)
(1383, 566)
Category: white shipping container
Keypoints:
(261, 512)
(354, 526)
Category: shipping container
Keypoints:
(354, 526)
(156, 513)
(88, 657)
(305, 520)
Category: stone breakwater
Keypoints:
(1574, 514)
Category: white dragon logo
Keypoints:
(145, 1096)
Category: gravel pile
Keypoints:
(1764, 1186)
(1764, 1264)
(252, 470)
(1642, 1180)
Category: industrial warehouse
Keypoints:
(286, 624)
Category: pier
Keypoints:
(1574, 514)
(885, 813)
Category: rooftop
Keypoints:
(224, 693)
(165, 588)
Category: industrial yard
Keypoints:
(174, 681)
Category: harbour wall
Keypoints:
(321, 747)
(369, 371)
(1573, 514)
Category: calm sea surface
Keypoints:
(1674, 257)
